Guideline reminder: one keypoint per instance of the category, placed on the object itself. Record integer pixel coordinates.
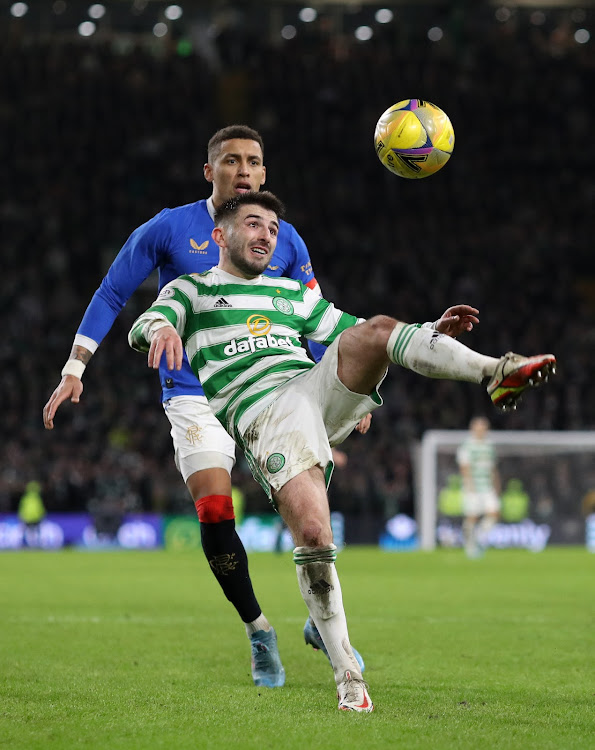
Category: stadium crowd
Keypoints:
(95, 140)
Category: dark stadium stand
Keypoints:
(95, 139)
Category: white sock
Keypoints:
(321, 590)
(469, 529)
(436, 355)
(484, 527)
(261, 623)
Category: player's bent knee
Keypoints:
(315, 533)
(188, 465)
(374, 333)
(382, 325)
(214, 509)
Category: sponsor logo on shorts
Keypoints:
(194, 434)
(275, 462)
(258, 325)
(284, 306)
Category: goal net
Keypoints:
(548, 488)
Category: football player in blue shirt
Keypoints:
(178, 241)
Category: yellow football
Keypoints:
(414, 138)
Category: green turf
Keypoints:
(140, 650)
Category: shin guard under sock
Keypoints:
(321, 591)
(227, 558)
(436, 355)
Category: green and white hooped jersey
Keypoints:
(480, 456)
(242, 336)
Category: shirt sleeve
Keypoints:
(325, 322)
(171, 306)
(462, 455)
(142, 252)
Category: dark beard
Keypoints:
(245, 266)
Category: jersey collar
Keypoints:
(231, 279)
(211, 208)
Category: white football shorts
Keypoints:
(480, 503)
(200, 442)
(312, 412)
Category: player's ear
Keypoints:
(218, 236)
(207, 170)
(264, 175)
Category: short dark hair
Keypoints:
(242, 132)
(262, 198)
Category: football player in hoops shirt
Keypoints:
(287, 412)
(178, 241)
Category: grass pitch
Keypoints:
(140, 650)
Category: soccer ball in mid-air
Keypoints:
(414, 138)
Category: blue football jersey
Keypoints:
(178, 241)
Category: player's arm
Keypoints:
(160, 330)
(138, 257)
(467, 477)
(323, 321)
(302, 271)
(454, 321)
(464, 464)
(70, 386)
(323, 324)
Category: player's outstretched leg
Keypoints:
(314, 639)
(514, 373)
(436, 355)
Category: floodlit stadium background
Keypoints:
(104, 117)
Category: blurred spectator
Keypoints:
(515, 502)
(32, 513)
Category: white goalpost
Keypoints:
(560, 457)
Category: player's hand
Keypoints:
(70, 387)
(166, 340)
(339, 458)
(457, 320)
(364, 424)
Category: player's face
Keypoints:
(479, 428)
(237, 169)
(248, 244)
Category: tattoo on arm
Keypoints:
(80, 353)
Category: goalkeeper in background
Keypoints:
(476, 458)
